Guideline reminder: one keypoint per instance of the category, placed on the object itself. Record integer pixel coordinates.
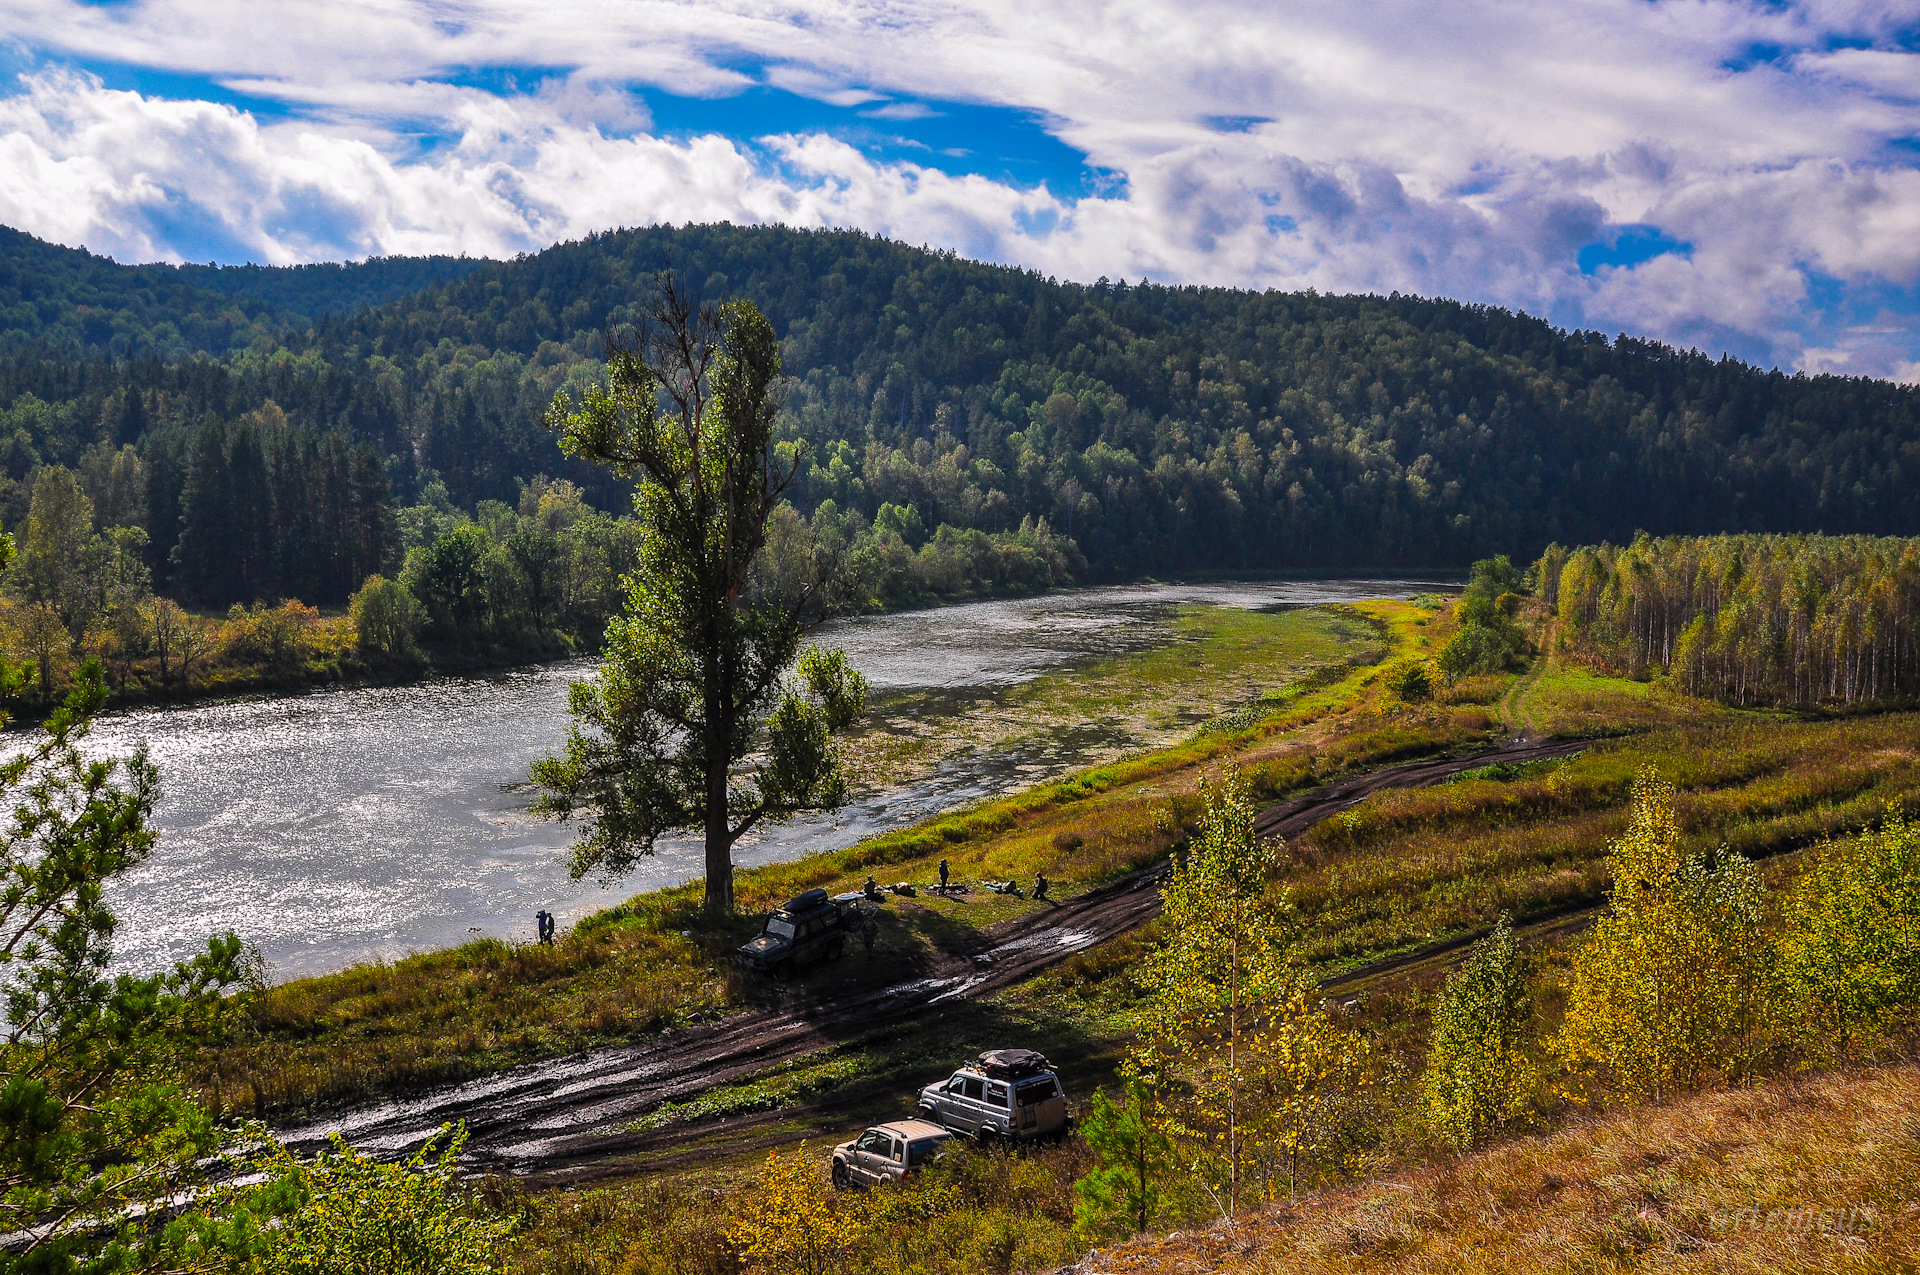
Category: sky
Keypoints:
(1742, 178)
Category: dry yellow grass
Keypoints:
(1816, 1174)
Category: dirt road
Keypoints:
(559, 1120)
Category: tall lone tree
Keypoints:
(702, 717)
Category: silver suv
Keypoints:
(886, 1153)
(1010, 1093)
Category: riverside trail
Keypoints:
(561, 1121)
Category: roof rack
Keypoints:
(1013, 1064)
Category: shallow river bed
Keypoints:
(346, 825)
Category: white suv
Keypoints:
(886, 1153)
(1010, 1093)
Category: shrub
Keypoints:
(1478, 1076)
(1409, 680)
(1668, 986)
(1850, 950)
(343, 1211)
(788, 1225)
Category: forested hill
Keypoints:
(69, 302)
(1163, 429)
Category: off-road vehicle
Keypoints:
(886, 1153)
(809, 927)
(1009, 1093)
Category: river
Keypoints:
(348, 825)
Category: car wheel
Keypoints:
(841, 1181)
(835, 949)
(783, 971)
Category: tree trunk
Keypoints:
(719, 844)
(719, 850)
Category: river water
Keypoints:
(341, 826)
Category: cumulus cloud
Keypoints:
(1469, 150)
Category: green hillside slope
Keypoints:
(1163, 429)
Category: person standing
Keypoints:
(869, 931)
(943, 876)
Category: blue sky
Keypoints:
(1744, 177)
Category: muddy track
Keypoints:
(561, 1120)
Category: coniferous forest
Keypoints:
(248, 435)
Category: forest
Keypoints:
(248, 436)
(1160, 428)
(1778, 621)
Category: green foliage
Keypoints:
(1408, 680)
(1488, 640)
(1753, 620)
(1479, 1077)
(787, 1225)
(95, 1128)
(1123, 1195)
(343, 1213)
(1244, 1064)
(386, 619)
(1850, 937)
(267, 509)
(695, 666)
(1226, 939)
(1152, 428)
(1670, 987)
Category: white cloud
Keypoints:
(1468, 149)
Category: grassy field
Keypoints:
(1214, 660)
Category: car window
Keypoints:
(900, 1152)
(780, 927)
(873, 1141)
(924, 1150)
(1033, 1091)
(996, 1094)
(973, 1087)
(956, 1084)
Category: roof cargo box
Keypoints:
(811, 901)
(1013, 1064)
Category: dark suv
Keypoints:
(810, 927)
(1010, 1093)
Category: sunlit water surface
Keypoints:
(345, 825)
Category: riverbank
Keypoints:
(343, 826)
(293, 649)
(280, 651)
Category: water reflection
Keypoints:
(344, 825)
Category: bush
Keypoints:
(1850, 950)
(1668, 988)
(386, 619)
(1409, 680)
(343, 1211)
(1478, 1076)
(1487, 641)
